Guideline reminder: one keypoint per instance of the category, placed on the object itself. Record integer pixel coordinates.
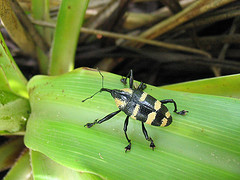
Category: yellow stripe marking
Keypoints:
(151, 117)
(130, 91)
(135, 111)
(143, 97)
(167, 114)
(120, 103)
(164, 122)
(157, 105)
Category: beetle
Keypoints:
(138, 105)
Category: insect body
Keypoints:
(140, 106)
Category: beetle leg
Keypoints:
(128, 147)
(183, 112)
(109, 116)
(130, 76)
(152, 145)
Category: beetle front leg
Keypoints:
(152, 145)
(128, 147)
(142, 86)
(183, 112)
(130, 76)
(109, 116)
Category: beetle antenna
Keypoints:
(101, 75)
(97, 91)
(91, 96)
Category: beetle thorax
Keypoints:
(122, 97)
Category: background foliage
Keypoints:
(41, 119)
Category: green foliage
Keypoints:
(204, 144)
(21, 169)
(14, 108)
(14, 112)
(222, 86)
(11, 77)
(45, 168)
(69, 23)
(206, 137)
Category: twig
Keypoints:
(225, 47)
(210, 20)
(137, 39)
(97, 21)
(29, 26)
(167, 57)
(197, 8)
(159, 56)
(211, 40)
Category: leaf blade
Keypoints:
(21, 169)
(10, 71)
(222, 86)
(45, 168)
(63, 49)
(188, 145)
(14, 112)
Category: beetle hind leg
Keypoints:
(183, 112)
(152, 145)
(128, 147)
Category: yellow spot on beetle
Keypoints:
(167, 114)
(135, 111)
(120, 103)
(151, 117)
(157, 105)
(130, 91)
(164, 122)
(143, 97)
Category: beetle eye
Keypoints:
(144, 86)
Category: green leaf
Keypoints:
(4, 85)
(70, 19)
(9, 152)
(14, 112)
(45, 168)
(21, 169)
(40, 11)
(10, 72)
(222, 86)
(203, 144)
